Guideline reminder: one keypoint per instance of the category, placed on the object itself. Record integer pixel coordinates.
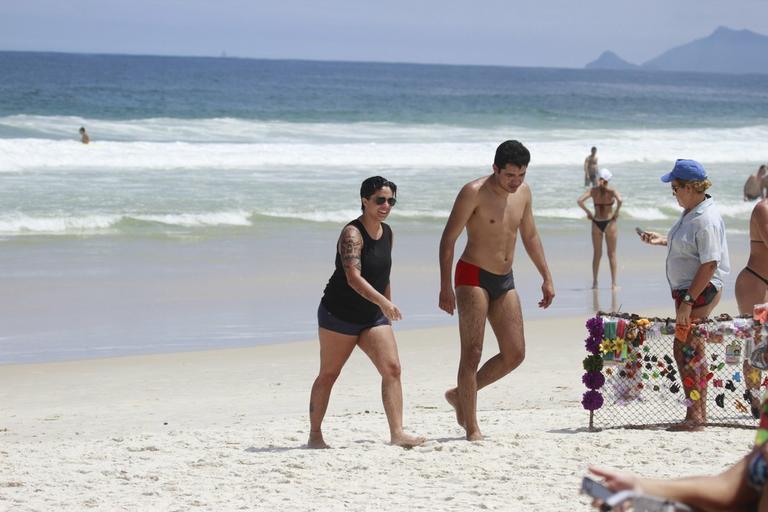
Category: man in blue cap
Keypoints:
(697, 263)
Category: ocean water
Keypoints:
(205, 210)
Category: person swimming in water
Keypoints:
(603, 222)
(84, 138)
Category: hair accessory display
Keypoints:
(632, 378)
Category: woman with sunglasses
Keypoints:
(357, 310)
(603, 222)
(697, 263)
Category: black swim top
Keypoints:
(376, 260)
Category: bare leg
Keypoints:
(506, 320)
(597, 252)
(696, 414)
(611, 237)
(335, 349)
(380, 346)
(472, 304)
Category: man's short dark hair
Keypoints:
(511, 152)
(594, 149)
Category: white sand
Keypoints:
(225, 430)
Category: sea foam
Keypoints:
(158, 144)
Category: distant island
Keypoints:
(724, 51)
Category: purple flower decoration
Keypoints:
(592, 345)
(595, 328)
(592, 400)
(593, 380)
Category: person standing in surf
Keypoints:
(603, 223)
(590, 168)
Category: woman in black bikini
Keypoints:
(752, 282)
(752, 285)
(357, 311)
(603, 222)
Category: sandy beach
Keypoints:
(226, 429)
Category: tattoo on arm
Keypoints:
(350, 248)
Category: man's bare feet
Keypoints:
(404, 440)
(474, 436)
(316, 440)
(452, 397)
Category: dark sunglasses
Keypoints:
(381, 200)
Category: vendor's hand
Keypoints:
(447, 300)
(652, 238)
(391, 311)
(548, 294)
(683, 314)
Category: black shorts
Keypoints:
(704, 298)
(327, 321)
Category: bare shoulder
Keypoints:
(760, 211)
(525, 192)
(470, 191)
(475, 186)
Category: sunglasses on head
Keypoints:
(381, 200)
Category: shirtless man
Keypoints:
(492, 208)
(590, 168)
(753, 187)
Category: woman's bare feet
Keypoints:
(316, 440)
(404, 440)
(452, 397)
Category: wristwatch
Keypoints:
(688, 299)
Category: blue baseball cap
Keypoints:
(686, 170)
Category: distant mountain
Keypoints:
(609, 60)
(724, 51)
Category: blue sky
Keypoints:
(552, 33)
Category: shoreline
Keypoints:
(83, 299)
